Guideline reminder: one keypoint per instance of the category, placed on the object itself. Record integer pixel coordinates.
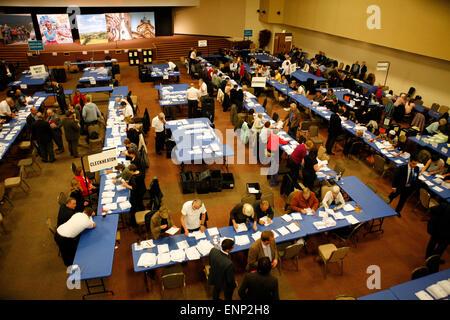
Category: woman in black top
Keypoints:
(138, 188)
(242, 213)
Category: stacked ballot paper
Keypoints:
(204, 247)
(351, 219)
(125, 205)
(256, 235)
(163, 258)
(147, 244)
(182, 244)
(293, 227)
(241, 240)
(110, 206)
(192, 253)
(348, 207)
(423, 295)
(146, 260)
(177, 255)
(172, 230)
(283, 231)
(162, 248)
(337, 215)
(329, 222)
(286, 217)
(265, 219)
(438, 291)
(213, 231)
(296, 216)
(197, 235)
(241, 227)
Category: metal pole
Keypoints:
(85, 180)
(387, 72)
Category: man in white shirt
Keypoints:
(333, 196)
(192, 96)
(203, 88)
(192, 59)
(193, 216)
(172, 65)
(158, 124)
(127, 110)
(286, 66)
(5, 108)
(67, 234)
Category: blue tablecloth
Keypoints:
(340, 92)
(438, 148)
(264, 58)
(161, 70)
(407, 290)
(95, 252)
(373, 206)
(380, 295)
(431, 184)
(173, 90)
(185, 142)
(16, 125)
(96, 74)
(304, 76)
(28, 80)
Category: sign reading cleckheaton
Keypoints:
(103, 160)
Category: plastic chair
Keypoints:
(432, 263)
(379, 165)
(52, 229)
(314, 135)
(4, 196)
(425, 200)
(324, 191)
(419, 272)
(344, 297)
(329, 253)
(351, 236)
(269, 197)
(291, 252)
(140, 219)
(172, 278)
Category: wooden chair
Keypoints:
(52, 228)
(425, 200)
(329, 253)
(380, 165)
(172, 278)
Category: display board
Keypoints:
(55, 28)
(17, 28)
(92, 29)
(127, 26)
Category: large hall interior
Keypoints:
(137, 138)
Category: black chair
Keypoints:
(432, 263)
(420, 272)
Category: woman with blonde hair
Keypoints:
(242, 213)
(76, 192)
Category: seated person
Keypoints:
(284, 80)
(5, 109)
(303, 200)
(391, 137)
(301, 90)
(263, 209)
(85, 183)
(409, 106)
(76, 192)
(318, 97)
(242, 213)
(348, 145)
(434, 165)
(402, 145)
(66, 211)
(334, 196)
(293, 85)
(161, 222)
(330, 100)
(436, 126)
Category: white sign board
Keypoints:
(382, 66)
(103, 160)
(202, 43)
(38, 69)
(258, 82)
(288, 39)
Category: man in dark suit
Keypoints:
(60, 97)
(237, 98)
(72, 132)
(293, 122)
(260, 285)
(355, 69)
(263, 247)
(221, 274)
(404, 183)
(439, 229)
(66, 211)
(334, 129)
(42, 132)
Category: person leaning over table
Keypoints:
(137, 186)
(242, 213)
(436, 126)
(67, 235)
(130, 147)
(260, 285)
(263, 209)
(434, 165)
(161, 222)
(334, 196)
(263, 247)
(5, 109)
(193, 216)
(124, 174)
(303, 200)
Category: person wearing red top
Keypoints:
(78, 98)
(80, 177)
(241, 72)
(210, 72)
(274, 142)
(296, 158)
(303, 200)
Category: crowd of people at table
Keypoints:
(82, 114)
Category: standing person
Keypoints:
(237, 98)
(404, 183)
(192, 59)
(260, 285)
(137, 186)
(72, 133)
(286, 66)
(67, 234)
(91, 113)
(334, 129)
(263, 247)
(31, 118)
(293, 122)
(439, 230)
(42, 132)
(241, 72)
(203, 88)
(78, 98)
(355, 69)
(221, 274)
(60, 97)
(362, 74)
(193, 216)
(55, 125)
(193, 97)
(158, 124)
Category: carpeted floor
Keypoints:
(31, 269)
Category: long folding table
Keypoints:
(94, 75)
(29, 80)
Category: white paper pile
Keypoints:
(182, 244)
(286, 218)
(265, 219)
(147, 244)
(125, 205)
(241, 227)
(192, 253)
(351, 219)
(164, 258)
(146, 260)
(283, 231)
(241, 240)
(436, 291)
(297, 215)
(213, 231)
(172, 230)
(293, 227)
(204, 247)
(162, 248)
(177, 255)
(256, 235)
(348, 207)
